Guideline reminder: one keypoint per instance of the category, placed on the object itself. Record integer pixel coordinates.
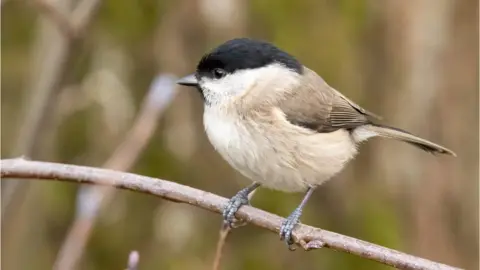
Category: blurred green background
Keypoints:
(413, 62)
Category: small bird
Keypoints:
(279, 123)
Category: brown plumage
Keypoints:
(317, 106)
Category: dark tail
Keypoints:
(398, 134)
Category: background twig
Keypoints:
(48, 76)
(21, 168)
(222, 238)
(223, 235)
(133, 260)
(91, 200)
(58, 18)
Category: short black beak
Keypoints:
(189, 80)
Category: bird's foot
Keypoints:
(287, 228)
(241, 198)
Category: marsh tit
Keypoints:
(279, 123)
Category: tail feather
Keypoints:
(402, 135)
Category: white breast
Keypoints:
(287, 161)
(232, 140)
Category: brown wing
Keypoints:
(319, 107)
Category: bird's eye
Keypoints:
(218, 73)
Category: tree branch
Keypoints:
(307, 236)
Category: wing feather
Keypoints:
(319, 107)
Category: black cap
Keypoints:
(245, 53)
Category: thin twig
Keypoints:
(20, 168)
(123, 158)
(222, 238)
(223, 234)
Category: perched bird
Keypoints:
(279, 123)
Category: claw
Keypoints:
(232, 207)
(287, 228)
(292, 220)
(237, 201)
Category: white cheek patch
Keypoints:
(230, 85)
(217, 90)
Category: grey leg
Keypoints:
(241, 198)
(292, 220)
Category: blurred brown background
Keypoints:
(73, 98)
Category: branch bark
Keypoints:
(306, 236)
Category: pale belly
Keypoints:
(286, 161)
